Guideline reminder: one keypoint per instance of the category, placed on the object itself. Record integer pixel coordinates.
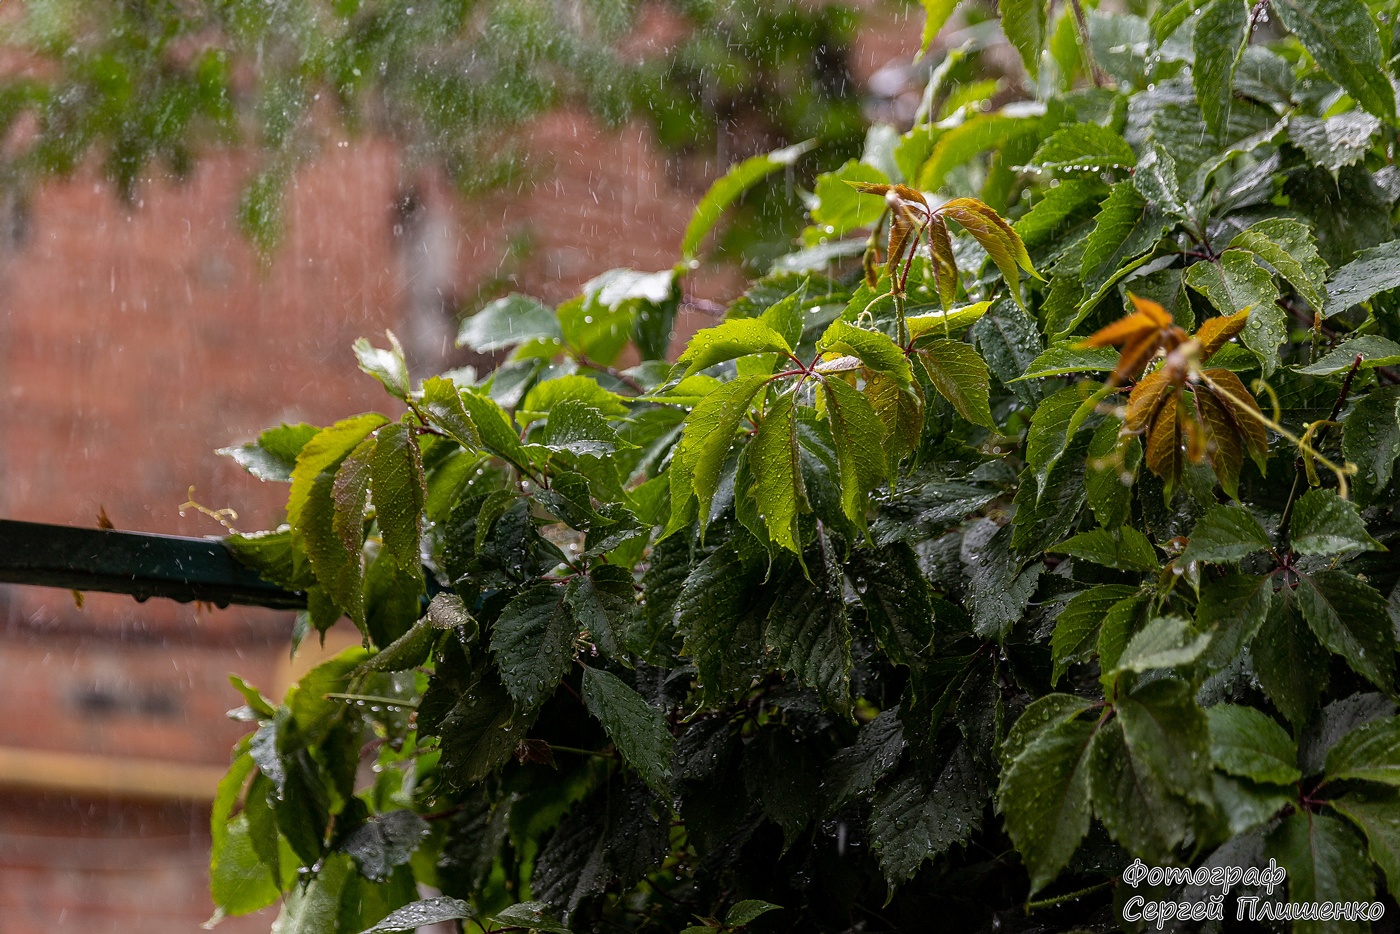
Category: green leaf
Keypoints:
(334, 538)
(540, 401)
(387, 366)
(1083, 147)
(1044, 796)
(1218, 43)
(1169, 16)
(721, 617)
(897, 600)
(1350, 618)
(945, 321)
(780, 774)
(579, 428)
(1067, 207)
(1288, 660)
(910, 823)
(1237, 283)
(599, 323)
(1123, 620)
(1054, 423)
(776, 463)
(859, 437)
(1109, 474)
(961, 377)
(936, 13)
(1156, 180)
(314, 908)
(1326, 862)
(508, 322)
(1231, 610)
(498, 434)
(1009, 340)
(1041, 715)
(737, 337)
(808, 632)
(874, 349)
(1166, 642)
(788, 314)
(1335, 142)
(1126, 227)
(1065, 357)
(274, 455)
(1341, 37)
(422, 913)
(1371, 752)
(324, 452)
(238, 878)
(1054, 433)
(396, 487)
(1049, 513)
(1371, 272)
(603, 602)
(1001, 585)
(637, 728)
(532, 643)
(471, 713)
(535, 916)
(1248, 805)
(1225, 533)
(1373, 350)
(1371, 440)
(239, 881)
(1123, 548)
(727, 189)
(385, 841)
(1076, 635)
(1376, 812)
(1244, 741)
(259, 704)
(748, 911)
(855, 770)
(1325, 524)
(1023, 22)
(1150, 769)
(959, 144)
(443, 404)
(1336, 720)
(704, 446)
(843, 208)
(1287, 245)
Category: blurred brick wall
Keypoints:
(134, 342)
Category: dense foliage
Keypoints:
(144, 85)
(930, 591)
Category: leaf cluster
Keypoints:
(865, 606)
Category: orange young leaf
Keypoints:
(1215, 332)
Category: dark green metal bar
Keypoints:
(141, 564)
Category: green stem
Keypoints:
(374, 699)
(581, 752)
(1067, 897)
(1300, 469)
(1082, 30)
(903, 325)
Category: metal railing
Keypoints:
(140, 564)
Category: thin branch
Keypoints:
(1101, 79)
(615, 373)
(582, 752)
(1300, 466)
